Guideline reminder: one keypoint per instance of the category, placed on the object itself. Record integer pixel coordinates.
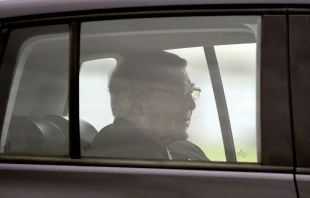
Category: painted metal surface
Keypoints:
(76, 181)
(303, 182)
(12, 8)
(72, 181)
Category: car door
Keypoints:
(299, 29)
(45, 170)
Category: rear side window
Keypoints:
(35, 70)
(181, 88)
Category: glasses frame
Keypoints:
(193, 91)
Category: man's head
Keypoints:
(153, 90)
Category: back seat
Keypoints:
(27, 132)
(16, 142)
(55, 142)
(87, 131)
(36, 136)
(45, 135)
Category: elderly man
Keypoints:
(152, 102)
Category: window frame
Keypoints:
(12, 77)
(299, 30)
(272, 125)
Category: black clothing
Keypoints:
(123, 140)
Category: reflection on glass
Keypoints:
(33, 123)
(239, 79)
(146, 88)
(238, 74)
(152, 108)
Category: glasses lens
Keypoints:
(196, 94)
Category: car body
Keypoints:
(71, 33)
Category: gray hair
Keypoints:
(134, 71)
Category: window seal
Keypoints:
(189, 165)
(299, 30)
(276, 129)
(4, 37)
(141, 12)
(74, 71)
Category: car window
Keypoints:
(35, 69)
(94, 93)
(181, 88)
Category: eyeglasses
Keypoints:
(193, 91)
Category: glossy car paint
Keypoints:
(71, 181)
(303, 182)
(21, 180)
(12, 8)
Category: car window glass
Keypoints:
(94, 92)
(140, 83)
(35, 70)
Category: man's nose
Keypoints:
(189, 102)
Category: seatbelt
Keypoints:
(221, 105)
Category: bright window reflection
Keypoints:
(94, 95)
(238, 72)
(237, 65)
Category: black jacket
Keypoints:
(123, 140)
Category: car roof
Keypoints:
(15, 8)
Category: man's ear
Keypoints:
(138, 99)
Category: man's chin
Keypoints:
(182, 136)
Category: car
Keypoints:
(246, 136)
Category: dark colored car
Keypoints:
(246, 119)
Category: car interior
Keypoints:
(37, 121)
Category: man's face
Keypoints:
(169, 107)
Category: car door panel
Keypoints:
(299, 42)
(303, 182)
(22, 178)
(67, 181)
